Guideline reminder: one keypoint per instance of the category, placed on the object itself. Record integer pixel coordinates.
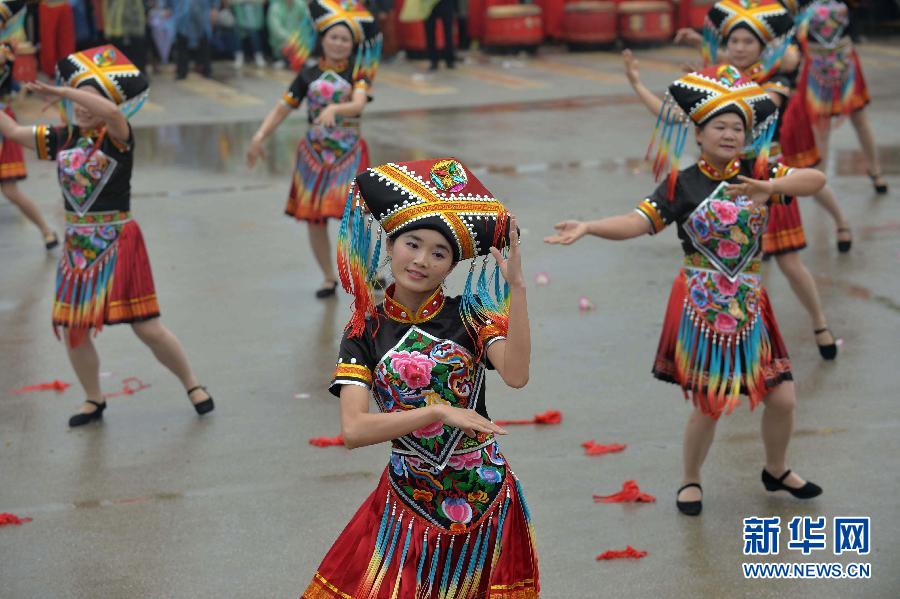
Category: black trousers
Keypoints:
(183, 54)
(445, 10)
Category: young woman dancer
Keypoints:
(719, 339)
(336, 90)
(752, 36)
(104, 275)
(448, 518)
(832, 81)
(12, 162)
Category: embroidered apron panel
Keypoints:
(330, 143)
(727, 230)
(83, 173)
(86, 244)
(457, 495)
(726, 305)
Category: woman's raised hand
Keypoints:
(758, 191)
(468, 421)
(567, 232)
(511, 266)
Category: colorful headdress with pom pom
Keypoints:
(701, 96)
(108, 70)
(768, 20)
(438, 194)
(325, 14)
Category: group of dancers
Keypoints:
(448, 517)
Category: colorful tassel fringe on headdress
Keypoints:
(699, 97)
(438, 194)
(325, 14)
(768, 20)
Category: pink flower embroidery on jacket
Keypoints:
(413, 367)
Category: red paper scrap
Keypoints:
(630, 493)
(55, 385)
(6, 518)
(548, 417)
(130, 386)
(593, 448)
(628, 552)
(327, 441)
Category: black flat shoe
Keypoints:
(205, 406)
(81, 418)
(828, 352)
(807, 491)
(51, 241)
(881, 188)
(689, 508)
(327, 291)
(844, 245)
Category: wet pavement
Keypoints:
(155, 502)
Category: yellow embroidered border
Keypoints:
(319, 588)
(41, 134)
(12, 169)
(650, 211)
(356, 371)
(290, 100)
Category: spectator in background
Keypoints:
(193, 30)
(85, 30)
(445, 10)
(57, 33)
(283, 19)
(249, 15)
(125, 24)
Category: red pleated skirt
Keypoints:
(12, 160)
(784, 231)
(774, 365)
(388, 551)
(97, 286)
(798, 144)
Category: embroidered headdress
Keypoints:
(699, 97)
(438, 194)
(108, 71)
(768, 20)
(325, 14)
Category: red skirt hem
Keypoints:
(419, 558)
(774, 363)
(86, 300)
(784, 231)
(12, 159)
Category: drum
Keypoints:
(514, 26)
(645, 21)
(591, 22)
(25, 67)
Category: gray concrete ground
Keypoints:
(155, 502)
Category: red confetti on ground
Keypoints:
(630, 493)
(130, 386)
(629, 552)
(327, 441)
(6, 519)
(56, 385)
(593, 448)
(548, 417)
